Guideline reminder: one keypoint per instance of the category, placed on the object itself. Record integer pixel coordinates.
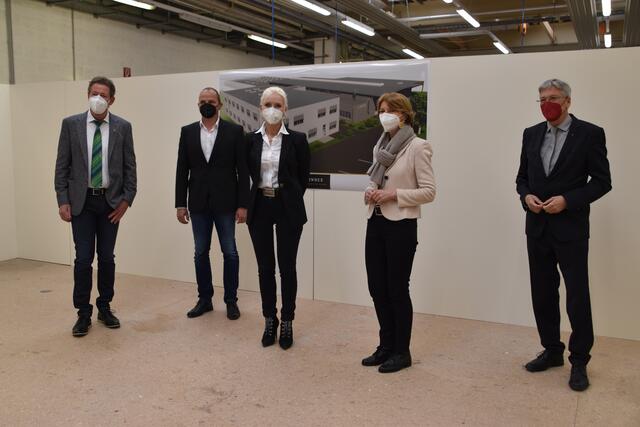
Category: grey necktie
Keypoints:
(549, 164)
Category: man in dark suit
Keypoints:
(95, 183)
(212, 174)
(563, 169)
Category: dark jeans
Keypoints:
(269, 212)
(389, 250)
(92, 226)
(202, 225)
(545, 254)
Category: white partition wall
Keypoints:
(471, 258)
(8, 248)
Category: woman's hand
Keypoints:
(380, 197)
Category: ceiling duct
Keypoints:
(631, 33)
(400, 31)
(585, 23)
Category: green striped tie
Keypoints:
(96, 157)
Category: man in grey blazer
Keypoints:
(95, 184)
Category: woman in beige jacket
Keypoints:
(401, 180)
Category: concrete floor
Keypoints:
(163, 369)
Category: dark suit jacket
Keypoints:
(220, 185)
(72, 164)
(581, 175)
(293, 173)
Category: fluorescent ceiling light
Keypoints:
(412, 53)
(206, 22)
(607, 40)
(358, 26)
(135, 3)
(267, 41)
(606, 7)
(501, 48)
(321, 10)
(468, 17)
(447, 1)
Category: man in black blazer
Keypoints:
(563, 169)
(95, 183)
(212, 174)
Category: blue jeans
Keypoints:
(202, 225)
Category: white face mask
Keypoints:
(389, 121)
(98, 104)
(272, 115)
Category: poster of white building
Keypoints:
(334, 105)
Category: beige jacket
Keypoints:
(411, 175)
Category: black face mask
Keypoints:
(208, 110)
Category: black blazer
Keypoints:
(293, 173)
(581, 175)
(220, 185)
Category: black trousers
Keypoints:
(93, 231)
(268, 212)
(389, 250)
(545, 255)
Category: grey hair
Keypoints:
(558, 84)
(274, 90)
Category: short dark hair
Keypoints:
(103, 81)
(211, 89)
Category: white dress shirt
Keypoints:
(208, 138)
(270, 157)
(104, 132)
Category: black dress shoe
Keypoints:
(81, 328)
(377, 358)
(202, 306)
(544, 361)
(270, 331)
(233, 312)
(109, 320)
(395, 363)
(578, 380)
(286, 334)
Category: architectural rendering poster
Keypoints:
(335, 106)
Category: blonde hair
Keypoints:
(271, 91)
(398, 103)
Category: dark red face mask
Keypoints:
(551, 110)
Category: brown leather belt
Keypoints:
(270, 192)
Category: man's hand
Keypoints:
(241, 215)
(554, 205)
(533, 203)
(383, 196)
(118, 212)
(65, 213)
(183, 215)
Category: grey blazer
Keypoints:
(72, 169)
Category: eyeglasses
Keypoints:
(553, 98)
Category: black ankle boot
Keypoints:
(286, 334)
(270, 331)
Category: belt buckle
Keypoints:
(269, 192)
(95, 191)
(377, 210)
